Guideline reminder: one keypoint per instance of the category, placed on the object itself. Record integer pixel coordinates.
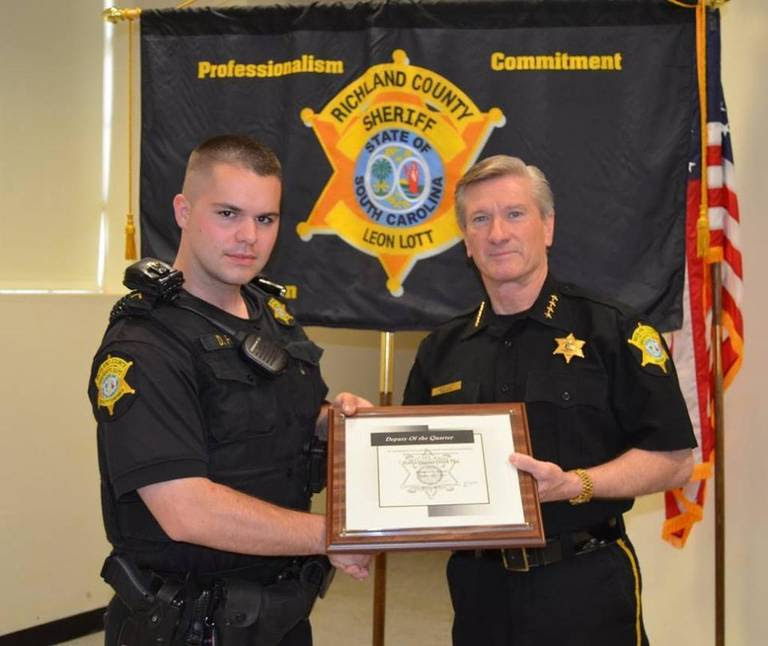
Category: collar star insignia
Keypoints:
(280, 312)
(551, 306)
(569, 347)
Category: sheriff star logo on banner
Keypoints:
(398, 138)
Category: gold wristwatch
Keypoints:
(586, 488)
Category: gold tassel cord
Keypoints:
(702, 223)
(130, 227)
(115, 15)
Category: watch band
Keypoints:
(587, 488)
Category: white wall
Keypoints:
(50, 173)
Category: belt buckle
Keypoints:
(515, 560)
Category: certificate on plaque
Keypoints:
(430, 477)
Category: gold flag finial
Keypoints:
(115, 15)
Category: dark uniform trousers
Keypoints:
(560, 604)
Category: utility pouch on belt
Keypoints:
(241, 605)
(251, 613)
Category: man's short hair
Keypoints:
(502, 166)
(238, 150)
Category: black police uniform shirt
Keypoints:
(595, 379)
(175, 398)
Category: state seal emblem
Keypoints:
(648, 341)
(398, 138)
(111, 384)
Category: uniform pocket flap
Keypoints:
(229, 365)
(566, 390)
(305, 351)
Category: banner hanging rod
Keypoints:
(692, 4)
(115, 15)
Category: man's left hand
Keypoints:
(553, 482)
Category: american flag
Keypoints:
(691, 346)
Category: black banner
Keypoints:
(376, 110)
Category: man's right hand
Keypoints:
(356, 565)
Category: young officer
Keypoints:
(209, 401)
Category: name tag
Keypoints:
(447, 388)
(217, 341)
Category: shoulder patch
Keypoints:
(652, 351)
(112, 385)
(280, 312)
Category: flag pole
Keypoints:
(719, 425)
(715, 265)
(386, 371)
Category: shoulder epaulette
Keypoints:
(132, 304)
(463, 316)
(576, 291)
(268, 286)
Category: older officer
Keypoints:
(208, 397)
(607, 422)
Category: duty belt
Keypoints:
(169, 611)
(523, 559)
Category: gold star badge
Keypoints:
(280, 312)
(397, 147)
(569, 347)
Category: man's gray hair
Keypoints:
(503, 166)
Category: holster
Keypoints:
(155, 605)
